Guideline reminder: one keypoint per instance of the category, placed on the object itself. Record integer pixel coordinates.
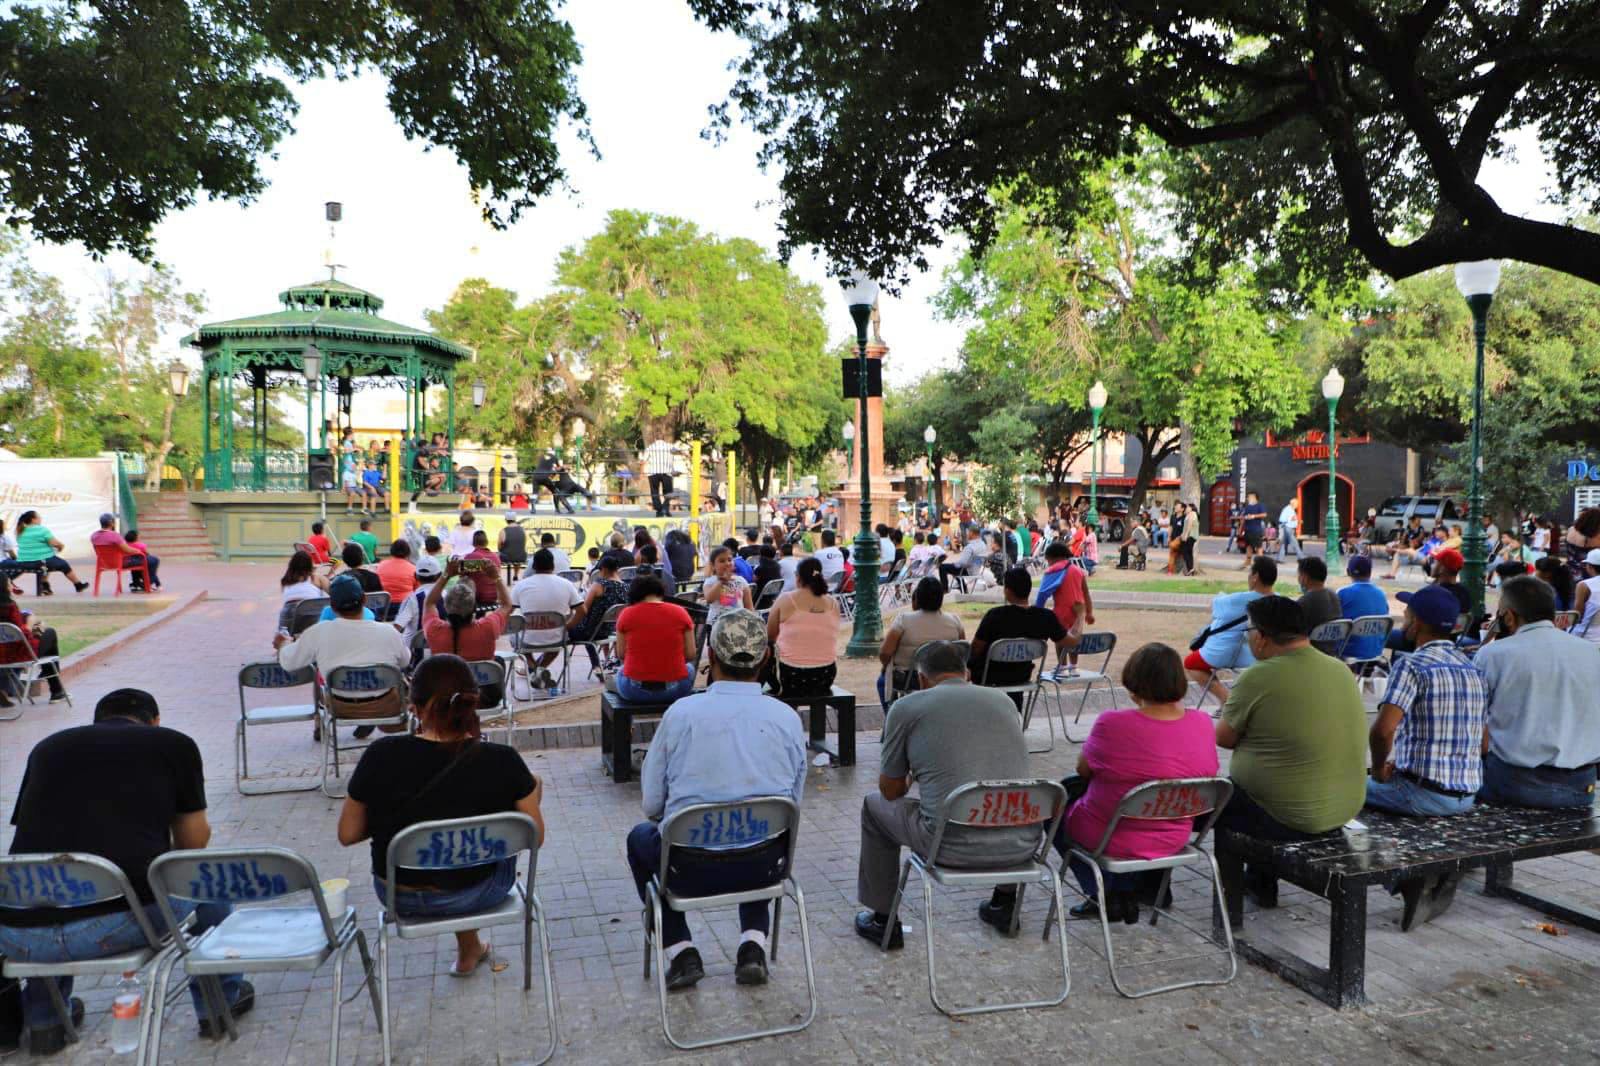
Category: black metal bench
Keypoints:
(1341, 866)
(843, 703)
(11, 569)
(617, 716)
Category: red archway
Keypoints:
(1313, 495)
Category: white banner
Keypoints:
(69, 494)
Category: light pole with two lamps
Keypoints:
(1332, 389)
(861, 292)
(1477, 282)
(1097, 403)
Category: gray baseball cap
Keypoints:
(739, 638)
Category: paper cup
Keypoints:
(334, 890)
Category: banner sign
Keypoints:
(69, 494)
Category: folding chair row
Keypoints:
(26, 670)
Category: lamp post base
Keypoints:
(866, 636)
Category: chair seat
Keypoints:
(281, 938)
(507, 912)
(724, 899)
(128, 961)
(1081, 675)
(958, 877)
(1189, 856)
(287, 712)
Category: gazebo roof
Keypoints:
(329, 309)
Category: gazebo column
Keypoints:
(225, 417)
(450, 430)
(205, 420)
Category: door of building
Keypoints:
(1220, 502)
(1313, 494)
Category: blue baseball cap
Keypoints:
(1359, 566)
(1433, 605)
(345, 592)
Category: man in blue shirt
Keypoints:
(725, 744)
(1254, 515)
(1225, 647)
(1359, 599)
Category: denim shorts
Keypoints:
(444, 903)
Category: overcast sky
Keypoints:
(410, 233)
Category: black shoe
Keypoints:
(362, 732)
(870, 926)
(685, 970)
(1261, 887)
(241, 1006)
(52, 1038)
(1087, 911)
(750, 966)
(1126, 907)
(997, 915)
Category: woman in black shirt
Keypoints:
(444, 771)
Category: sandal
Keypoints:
(475, 966)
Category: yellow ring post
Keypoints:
(394, 490)
(497, 457)
(733, 482)
(694, 492)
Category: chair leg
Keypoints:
(371, 976)
(63, 1009)
(552, 1007)
(383, 985)
(160, 979)
(772, 941)
(894, 908)
(338, 997)
(927, 936)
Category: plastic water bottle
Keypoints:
(126, 1006)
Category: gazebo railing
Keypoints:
(257, 471)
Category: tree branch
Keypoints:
(1179, 133)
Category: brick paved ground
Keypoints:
(1478, 985)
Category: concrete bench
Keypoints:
(1340, 867)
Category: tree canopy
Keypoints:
(1317, 134)
(115, 114)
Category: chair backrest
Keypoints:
(307, 613)
(460, 843)
(1371, 625)
(67, 881)
(1198, 798)
(546, 621)
(419, 646)
(992, 805)
(1332, 635)
(364, 682)
(108, 556)
(1096, 643)
(302, 546)
(836, 582)
(10, 634)
(1566, 619)
(235, 876)
(1016, 650)
(574, 576)
(627, 573)
(737, 825)
(489, 672)
(769, 593)
(378, 604)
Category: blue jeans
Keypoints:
(634, 692)
(445, 903)
(1538, 786)
(1401, 795)
(644, 859)
(97, 937)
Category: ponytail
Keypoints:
(809, 574)
(445, 695)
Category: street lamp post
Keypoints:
(928, 437)
(1477, 282)
(861, 292)
(1097, 403)
(1332, 389)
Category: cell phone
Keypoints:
(475, 566)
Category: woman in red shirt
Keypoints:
(39, 638)
(454, 630)
(655, 640)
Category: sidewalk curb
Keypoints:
(85, 659)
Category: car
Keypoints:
(1396, 511)
(1113, 511)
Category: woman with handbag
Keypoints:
(463, 776)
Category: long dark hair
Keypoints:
(809, 574)
(27, 518)
(1554, 571)
(445, 695)
(300, 569)
(1587, 522)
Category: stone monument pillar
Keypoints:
(884, 498)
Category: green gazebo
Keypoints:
(334, 327)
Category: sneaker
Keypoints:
(60, 697)
(243, 1005)
(52, 1038)
(750, 966)
(997, 915)
(870, 926)
(685, 970)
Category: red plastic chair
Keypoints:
(108, 558)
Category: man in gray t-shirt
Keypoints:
(946, 735)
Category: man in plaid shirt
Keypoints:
(1427, 742)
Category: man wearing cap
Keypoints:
(108, 537)
(1427, 741)
(347, 639)
(125, 789)
(409, 618)
(722, 745)
(1361, 599)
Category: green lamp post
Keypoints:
(1332, 389)
(928, 437)
(861, 292)
(1097, 403)
(1477, 282)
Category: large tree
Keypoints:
(1325, 132)
(116, 113)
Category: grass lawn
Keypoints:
(76, 634)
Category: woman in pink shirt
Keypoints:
(1155, 739)
(803, 627)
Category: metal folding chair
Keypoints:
(458, 844)
(769, 594)
(378, 603)
(307, 613)
(626, 574)
(27, 670)
(546, 621)
(845, 600)
(488, 672)
(1022, 650)
(1088, 644)
(1194, 798)
(69, 881)
(253, 939)
(1372, 625)
(269, 675)
(987, 806)
(1330, 637)
(1231, 667)
(717, 829)
(358, 689)
(602, 640)
(574, 576)
(1566, 619)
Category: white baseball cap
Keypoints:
(1593, 558)
(428, 566)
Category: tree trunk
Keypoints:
(152, 476)
(1188, 469)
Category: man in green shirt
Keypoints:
(1297, 729)
(368, 542)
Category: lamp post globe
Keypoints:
(1097, 403)
(178, 378)
(860, 294)
(1477, 281)
(479, 391)
(928, 437)
(311, 358)
(1332, 389)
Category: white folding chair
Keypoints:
(526, 644)
(1021, 650)
(845, 600)
(458, 844)
(1231, 668)
(67, 882)
(982, 807)
(574, 576)
(1198, 799)
(1088, 644)
(1330, 637)
(355, 696)
(269, 676)
(488, 672)
(1566, 619)
(1371, 668)
(253, 939)
(714, 830)
(28, 669)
